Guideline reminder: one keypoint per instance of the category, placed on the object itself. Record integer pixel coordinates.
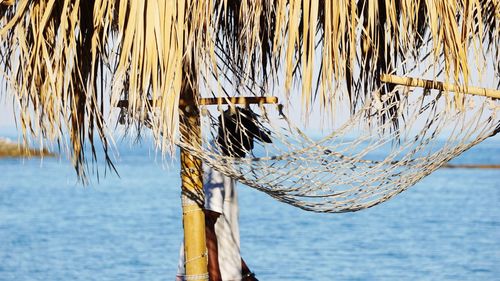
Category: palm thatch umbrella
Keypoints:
(70, 62)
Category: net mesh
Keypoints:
(362, 162)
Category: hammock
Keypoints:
(363, 161)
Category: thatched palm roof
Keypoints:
(68, 61)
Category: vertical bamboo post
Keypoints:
(193, 198)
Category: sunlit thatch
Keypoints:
(68, 62)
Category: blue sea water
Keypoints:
(447, 227)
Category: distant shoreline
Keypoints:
(10, 149)
(471, 166)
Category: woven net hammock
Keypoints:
(362, 161)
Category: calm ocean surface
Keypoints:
(447, 227)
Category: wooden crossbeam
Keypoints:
(220, 101)
(437, 85)
(239, 100)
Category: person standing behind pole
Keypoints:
(236, 134)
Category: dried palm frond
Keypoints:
(59, 57)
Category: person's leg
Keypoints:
(181, 270)
(213, 252)
(246, 273)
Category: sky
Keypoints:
(6, 116)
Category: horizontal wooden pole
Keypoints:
(437, 85)
(221, 101)
(239, 100)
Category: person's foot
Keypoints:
(250, 276)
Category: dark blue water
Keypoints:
(447, 227)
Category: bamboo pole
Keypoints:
(193, 217)
(430, 84)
